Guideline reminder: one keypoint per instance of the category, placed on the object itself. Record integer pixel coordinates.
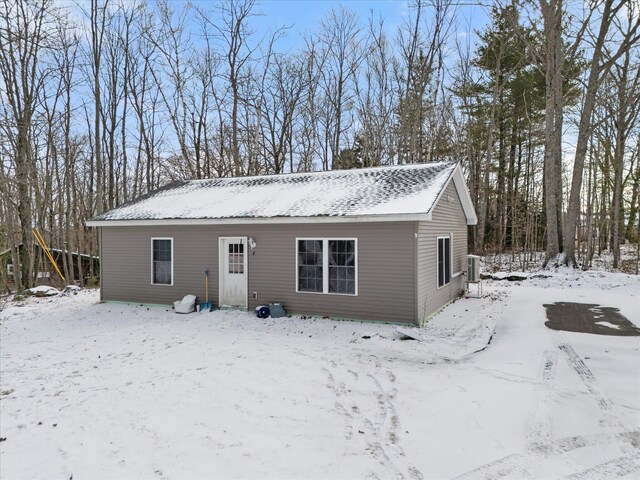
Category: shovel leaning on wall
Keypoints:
(206, 306)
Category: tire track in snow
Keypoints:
(584, 373)
(538, 425)
(539, 446)
(618, 467)
(538, 430)
(513, 463)
(587, 377)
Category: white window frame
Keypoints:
(450, 237)
(325, 265)
(172, 262)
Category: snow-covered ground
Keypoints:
(533, 261)
(116, 391)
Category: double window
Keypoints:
(327, 265)
(444, 261)
(162, 261)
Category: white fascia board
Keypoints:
(465, 197)
(413, 217)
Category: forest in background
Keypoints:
(105, 100)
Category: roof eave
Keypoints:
(404, 217)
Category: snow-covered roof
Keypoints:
(380, 191)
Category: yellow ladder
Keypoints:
(47, 252)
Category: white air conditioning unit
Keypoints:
(473, 268)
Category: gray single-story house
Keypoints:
(385, 243)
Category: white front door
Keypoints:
(233, 271)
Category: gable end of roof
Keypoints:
(457, 177)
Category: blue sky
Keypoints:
(304, 16)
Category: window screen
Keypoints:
(310, 266)
(162, 261)
(342, 266)
(444, 261)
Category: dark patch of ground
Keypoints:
(589, 318)
(511, 277)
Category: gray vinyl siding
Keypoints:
(386, 267)
(447, 218)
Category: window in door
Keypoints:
(236, 258)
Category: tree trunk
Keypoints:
(618, 160)
(584, 131)
(552, 14)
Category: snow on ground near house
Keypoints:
(117, 391)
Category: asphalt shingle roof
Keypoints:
(407, 189)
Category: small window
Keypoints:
(236, 258)
(162, 263)
(444, 261)
(326, 265)
(310, 266)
